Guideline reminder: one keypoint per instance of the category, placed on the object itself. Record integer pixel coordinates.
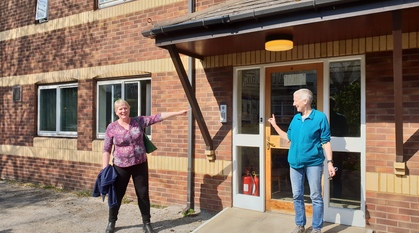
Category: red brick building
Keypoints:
(63, 65)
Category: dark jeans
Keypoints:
(139, 174)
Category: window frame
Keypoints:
(58, 132)
(110, 3)
(123, 82)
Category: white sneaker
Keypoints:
(299, 229)
(316, 231)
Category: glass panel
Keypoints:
(249, 167)
(348, 172)
(345, 98)
(48, 106)
(68, 113)
(145, 101)
(284, 84)
(131, 96)
(248, 106)
(107, 3)
(107, 95)
(281, 184)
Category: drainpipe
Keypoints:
(399, 165)
(191, 130)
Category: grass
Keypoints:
(158, 206)
(188, 212)
(83, 193)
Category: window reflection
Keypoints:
(345, 98)
(345, 187)
(282, 94)
(249, 96)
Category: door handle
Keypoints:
(269, 144)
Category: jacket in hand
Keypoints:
(105, 185)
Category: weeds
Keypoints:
(83, 193)
(188, 212)
(158, 206)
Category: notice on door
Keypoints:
(295, 79)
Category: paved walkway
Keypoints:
(232, 220)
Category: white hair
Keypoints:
(304, 94)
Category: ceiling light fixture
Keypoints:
(277, 43)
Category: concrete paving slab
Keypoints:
(236, 220)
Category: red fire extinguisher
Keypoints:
(250, 184)
(247, 183)
(256, 186)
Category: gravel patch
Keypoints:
(28, 208)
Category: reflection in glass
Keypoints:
(283, 85)
(48, 106)
(248, 97)
(281, 184)
(68, 109)
(131, 96)
(345, 98)
(345, 187)
(108, 94)
(248, 165)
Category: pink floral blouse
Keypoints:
(128, 145)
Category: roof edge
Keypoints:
(228, 19)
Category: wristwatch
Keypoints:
(330, 161)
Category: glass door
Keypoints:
(281, 83)
(248, 159)
(344, 196)
(338, 88)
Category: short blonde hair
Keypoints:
(304, 94)
(119, 103)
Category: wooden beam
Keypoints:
(196, 111)
(398, 82)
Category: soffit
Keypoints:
(232, 29)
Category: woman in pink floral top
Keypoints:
(130, 158)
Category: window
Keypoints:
(41, 11)
(137, 92)
(107, 3)
(57, 110)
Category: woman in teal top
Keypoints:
(309, 135)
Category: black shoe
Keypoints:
(147, 228)
(111, 227)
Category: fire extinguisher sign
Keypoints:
(245, 188)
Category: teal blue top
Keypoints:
(307, 137)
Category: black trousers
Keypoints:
(139, 174)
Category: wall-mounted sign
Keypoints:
(295, 79)
(42, 11)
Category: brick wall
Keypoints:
(390, 212)
(14, 14)
(58, 173)
(380, 111)
(111, 41)
(213, 86)
(18, 119)
(86, 117)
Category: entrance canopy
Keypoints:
(242, 25)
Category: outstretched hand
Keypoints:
(184, 112)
